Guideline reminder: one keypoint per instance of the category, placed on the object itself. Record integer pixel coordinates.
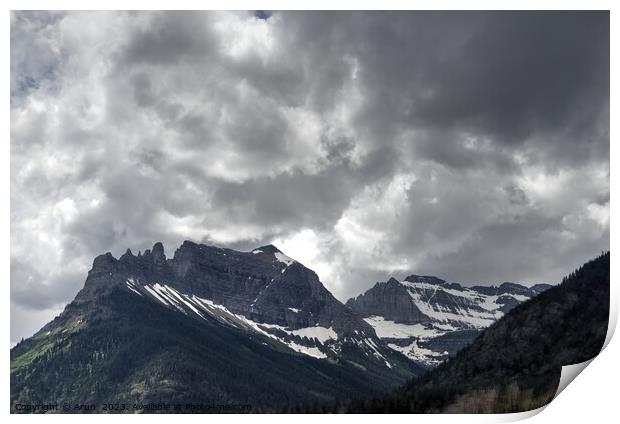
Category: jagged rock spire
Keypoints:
(159, 257)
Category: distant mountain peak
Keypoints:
(428, 319)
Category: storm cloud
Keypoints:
(469, 145)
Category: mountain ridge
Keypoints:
(234, 301)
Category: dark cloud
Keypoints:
(513, 77)
(471, 145)
(550, 248)
(169, 38)
(295, 200)
(521, 73)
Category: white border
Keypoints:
(592, 397)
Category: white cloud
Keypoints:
(352, 141)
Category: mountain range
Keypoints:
(254, 328)
(428, 319)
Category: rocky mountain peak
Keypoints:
(104, 263)
(390, 300)
(269, 248)
(512, 288)
(393, 281)
(187, 244)
(428, 279)
(263, 292)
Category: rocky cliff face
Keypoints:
(428, 319)
(263, 292)
(389, 300)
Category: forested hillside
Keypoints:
(515, 364)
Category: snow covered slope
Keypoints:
(310, 340)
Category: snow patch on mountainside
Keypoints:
(185, 303)
(322, 334)
(466, 307)
(390, 329)
(310, 351)
(130, 285)
(281, 257)
(419, 354)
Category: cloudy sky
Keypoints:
(471, 146)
